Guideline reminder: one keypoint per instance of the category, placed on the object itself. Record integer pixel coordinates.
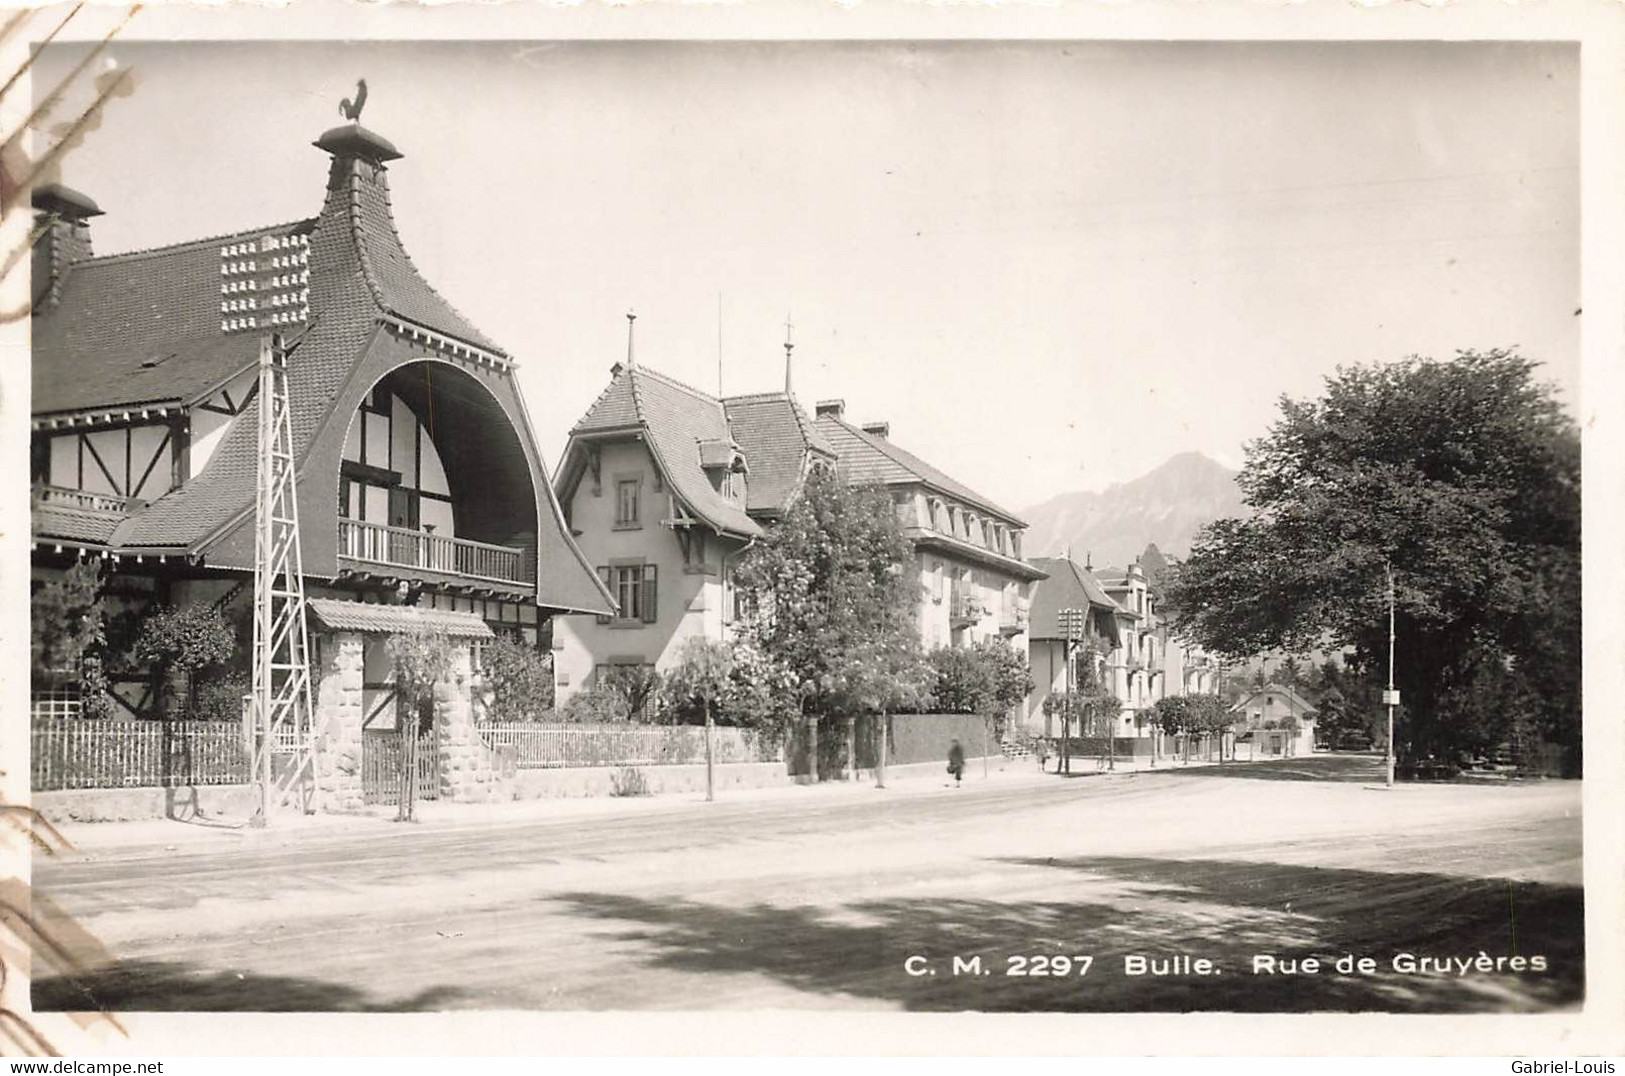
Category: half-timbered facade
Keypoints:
(418, 477)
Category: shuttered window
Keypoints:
(636, 589)
(603, 577)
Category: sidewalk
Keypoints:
(98, 839)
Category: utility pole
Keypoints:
(282, 718)
(1391, 696)
(1072, 631)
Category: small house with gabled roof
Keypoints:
(419, 481)
(1068, 586)
(1277, 721)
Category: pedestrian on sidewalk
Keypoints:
(1043, 756)
(956, 762)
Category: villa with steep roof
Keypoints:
(419, 482)
(664, 486)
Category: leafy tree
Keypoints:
(68, 636)
(1290, 672)
(704, 674)
(422, 659)
(66, 622)
(962, 680)
(1464, 477)
(636, 687)
(519, 678)
(595, 706)
(1010, 679)
(1173, 715)
(184, 640)
(831, 591)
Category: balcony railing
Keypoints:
(1013, 619)
(376, 543)
(88, 502)
(963, 605)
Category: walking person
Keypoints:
(956, 762)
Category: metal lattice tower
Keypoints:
(283, 738)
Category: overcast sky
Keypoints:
(1050, 266)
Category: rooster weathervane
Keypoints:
(352, 111)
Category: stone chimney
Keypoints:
(62, 216)
(877, 429)
(832, 408)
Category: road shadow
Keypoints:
(1350, 769)
(173, 986)
(1227, 912)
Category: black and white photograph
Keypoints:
(956, 524)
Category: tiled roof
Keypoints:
(120, 312)
(72, 524)
(676, 419)
(867, 458)
(776, 436)
(1298, 704)
(394, 280)
(615, 409)
(1069, 586)
(340, 615)
(115, 312)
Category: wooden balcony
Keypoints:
(424, 551)
(101, 503)
(964, 608)
(1013, 619)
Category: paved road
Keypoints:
(804, 899)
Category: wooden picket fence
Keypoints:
(84, 753)
(549, 746)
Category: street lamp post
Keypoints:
(1391, 696)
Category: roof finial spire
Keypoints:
(789, 347)
(631, 323)
(1088, 560)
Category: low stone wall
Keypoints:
(914, 738)
(187, 803)
(583, 781)
(927, 737)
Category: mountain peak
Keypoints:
(1166, 506)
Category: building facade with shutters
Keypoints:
(664, 486)
(974, 583)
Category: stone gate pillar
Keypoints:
(468, 770)
(338, 715)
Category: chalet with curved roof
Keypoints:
(418, 474)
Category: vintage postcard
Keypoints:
(811, 517)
